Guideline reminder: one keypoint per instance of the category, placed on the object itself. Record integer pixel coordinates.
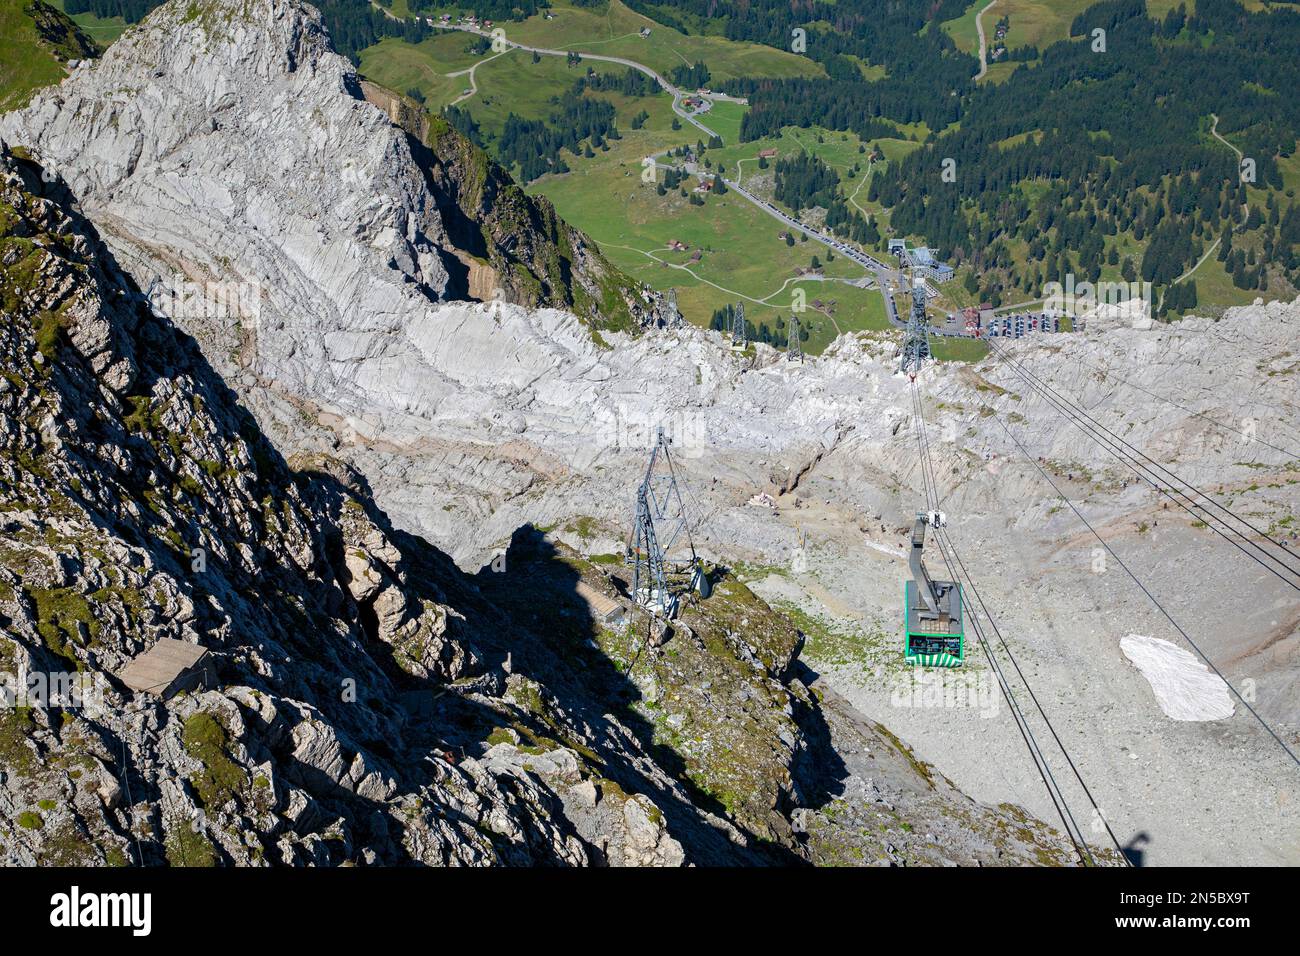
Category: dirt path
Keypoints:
(1214, 131)
(1208, 252)
(673, 91)
(473, 80)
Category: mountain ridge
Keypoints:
(368, 703)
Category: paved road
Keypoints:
(866, 261)
(883, 272)
(677, 94)
(887, 277)
(979, 28)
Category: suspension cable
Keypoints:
(1055, 793)
(1181, 407)
(1028, 687)
(1233, 536)
(1147, 592)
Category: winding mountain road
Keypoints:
(984, 46)
(669, 88)
(887, 278)
(473, 81)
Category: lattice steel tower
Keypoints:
(916, 339)
(738, 337)
(794, 348)
(659, 546)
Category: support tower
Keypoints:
(738, 337)
(659, 547)
(916, 339)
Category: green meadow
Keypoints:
(27, 63)
(102, 31)
(614, 30)
(734, 252)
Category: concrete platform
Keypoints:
(167, 668)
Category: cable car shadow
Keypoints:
(1133, 850)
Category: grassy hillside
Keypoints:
(962, 28)
(36, 41)
(614, 30)
(404, 66)
(102, 31)
(734, 251)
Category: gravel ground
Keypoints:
(1212, 793)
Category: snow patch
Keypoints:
(1184, 688)
(884, 549)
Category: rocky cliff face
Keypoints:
(513, 247)
(368, 702)
(320, 229)
(227, 144)
(470, 420)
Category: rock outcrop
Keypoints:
(365, 701)
(225, 149)
(315, 234)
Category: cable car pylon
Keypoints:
(738, 333)
(916, 338)
(660, 548)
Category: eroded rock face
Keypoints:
(367, 702)
(225, 143)
(140, 503)
(224, 149)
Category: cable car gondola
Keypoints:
(932, 609)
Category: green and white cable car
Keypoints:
(932, 609)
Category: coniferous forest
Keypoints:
(1077, 145)
(1119, 137)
